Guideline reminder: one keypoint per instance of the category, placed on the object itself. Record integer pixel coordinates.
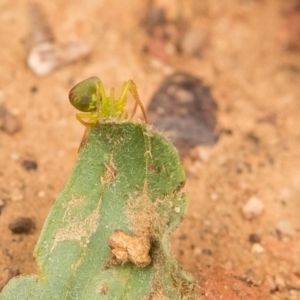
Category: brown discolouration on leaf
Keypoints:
(179, 281)
(145, 217)
(110, 172)
(75, 230)
(157, 296)
(153, 169)
(70, 204)
(157, 290)
(142, 214)
(129, 248)
(103, 289)
(74, 201)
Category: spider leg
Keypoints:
(138, 102)
(130, 86)
(81, 116)
(125, 114)
(101, 100)
(112, 100)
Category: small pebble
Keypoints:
(34, 89)
(8, 122)
(280, 283)
(193, 42)
(257, 248)
(197, 251)
(253, 208)
(276, 283)
(254, 238)
(207, 252)
(203, 153)
(22, 225)
(154, 16)
(177, 209)
(29, 165)
(14, 156)
(41, 194)
(194, 168)
(16, 196)
(271, 283)
(284, 227)
(214, 196)
(183, 237)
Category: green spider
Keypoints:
(89, 97)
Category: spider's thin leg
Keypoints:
(134, 92)
(92, 118)
(131, 87)
(124, 114)
(112, 101)
(81, 116)
(120, 104)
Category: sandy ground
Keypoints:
(253, 78)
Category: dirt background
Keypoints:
(247, 55)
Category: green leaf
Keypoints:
(123, 196)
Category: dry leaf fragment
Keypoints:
(126, 247)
